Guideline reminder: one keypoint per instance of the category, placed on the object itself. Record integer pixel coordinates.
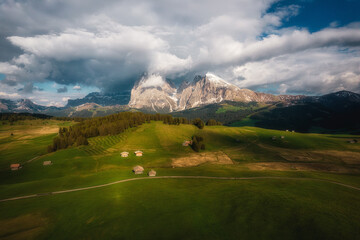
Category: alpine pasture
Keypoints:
(301, 198)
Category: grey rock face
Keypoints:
(156, 94)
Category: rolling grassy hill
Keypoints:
(332, 113)
(282, 208)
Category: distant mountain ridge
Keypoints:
(153, 93)
(83, 110)
(21, 105)
(103, 99)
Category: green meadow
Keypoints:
(300, 202)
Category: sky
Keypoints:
(53, 50)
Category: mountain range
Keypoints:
(103, 99)
(153, 93)
(207, 97)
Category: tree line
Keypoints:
(13, 117)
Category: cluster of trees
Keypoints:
(75, 119)
(197, 143)
(213, 122)
(67, 137)
(109, 125)
(169, 119)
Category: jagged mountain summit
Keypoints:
(154, 93)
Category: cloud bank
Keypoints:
(110, 45)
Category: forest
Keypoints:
(77, 134)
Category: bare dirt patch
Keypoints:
(345, 156)
(196, 159)
(23, 227)
(330, 156)
(323, 156)
(30, 132)
(44, 130)
(280, 166)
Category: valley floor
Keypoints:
(246, 184)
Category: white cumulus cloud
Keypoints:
(111, 44)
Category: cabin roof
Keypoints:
(138, 168)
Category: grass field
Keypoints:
(180, 208)
(227, 107)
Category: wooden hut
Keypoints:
(124, 154)
(138, 169)
(138, 153)
(152, 173)
(47, 163)
(15, 166)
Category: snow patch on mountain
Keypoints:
(216, 79)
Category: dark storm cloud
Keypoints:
(62, 90)
(29, 88)
(110, 44)
(8, 50)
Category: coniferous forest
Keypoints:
(77, 134)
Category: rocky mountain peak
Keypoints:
(154, 93)
(219, 82)
(28, 105)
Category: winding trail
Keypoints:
(176, 177)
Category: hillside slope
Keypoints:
(188, 207)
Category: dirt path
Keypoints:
(177, 177)
(28, 161)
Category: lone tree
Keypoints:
(199, 123)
